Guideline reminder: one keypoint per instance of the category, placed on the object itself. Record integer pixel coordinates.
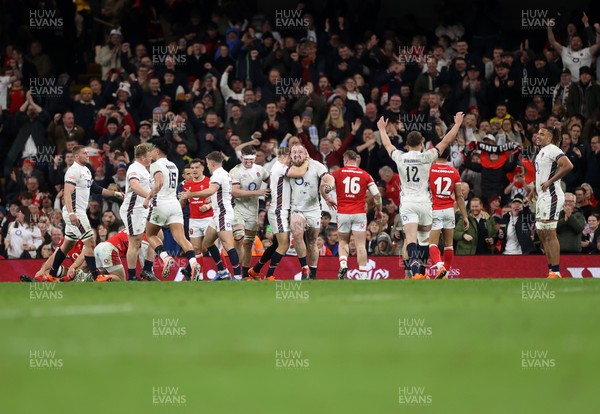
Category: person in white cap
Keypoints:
(109, 55)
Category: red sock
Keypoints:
(434, 253)
(448, 256)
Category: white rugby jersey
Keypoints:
(170, 179)
(221, 200)
(413, 169)
(81, 177)
(136, 171)
(305, 190)
(249, 179)
(280, 188)
(574, 60)
(546, 165)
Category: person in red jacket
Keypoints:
(326, 154)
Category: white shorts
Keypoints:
(418, 213)
(443, 219)
(248, 221)
(222, 221)
(198, 227)
(549, 206)
(107, 257)
(165, 212)
(279, 220)
(313, 218)
(83, 231)
(354, 222)
(135, 221)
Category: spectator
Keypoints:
(584, 96)
(331, 241)
(516, 228)
(480, 237)
(23, 238)
(570, 226)
(109, 55)
(384, 247)
(561, 91)
(392, 184)
(32, 122)
(575, 56)
(590, 233)
(576, 157)
(582, 203)
(326, 153)
(59, 132)
(322, 247)
(593, 165)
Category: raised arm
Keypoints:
(385, 139)
(595, 46)
(557, 46)
(451, 135)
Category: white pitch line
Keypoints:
(66, 311)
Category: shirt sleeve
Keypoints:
(321, 170)
(216, 179)
(397, 156)
(431, 155)
(72, 176)
(235, 176)
(154, 168)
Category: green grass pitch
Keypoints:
(457, 346)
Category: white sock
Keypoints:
(343, 262)
(193, 262)
(163, 256)
(363, 272)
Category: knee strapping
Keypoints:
(546, 226)
(423, 238)
(238, 234)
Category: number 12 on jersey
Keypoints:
(415, 172)
(446, 182)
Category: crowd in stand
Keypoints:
(211, 80)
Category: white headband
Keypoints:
(249, 157)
